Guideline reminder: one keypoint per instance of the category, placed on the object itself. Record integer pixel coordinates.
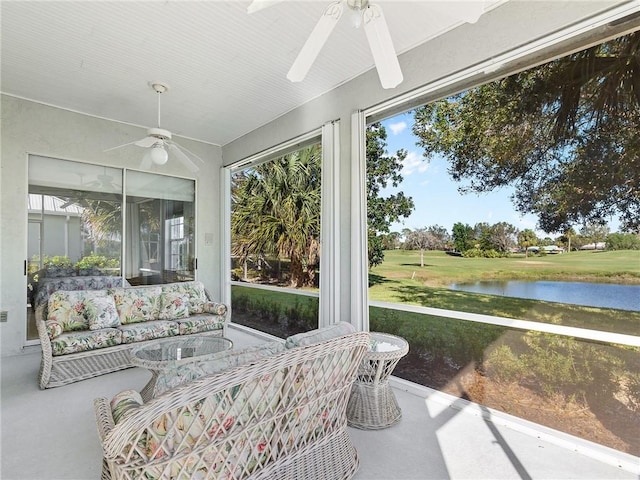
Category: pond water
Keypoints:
(605, 295)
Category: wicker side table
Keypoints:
(372, 404)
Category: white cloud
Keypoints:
(413, 163)
(397, 128)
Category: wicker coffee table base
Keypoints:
(372, 407)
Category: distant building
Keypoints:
(594, 246)
(546, 249)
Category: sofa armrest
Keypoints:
(45, 345)
(104, 419)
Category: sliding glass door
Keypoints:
(81, 223)
(160, 241)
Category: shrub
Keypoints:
(481, 253)
(504, 365)
(56, 261)
(567, 366)
(275, 316)
(447, 341)
(633, 390)
(98, 261)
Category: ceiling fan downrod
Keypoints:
(159, 88)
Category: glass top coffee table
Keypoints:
(160, 355)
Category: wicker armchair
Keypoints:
(281, 417)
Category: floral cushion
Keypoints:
(68, 308)
(55, 272)
(54, 328)
(137, 304)
(125, 403)
(199, 323)
(181, 374)
(304, 384)
(219, 309)
(139, 332)
(223, 415)
(74, 342)
(46, 286)
(101, 312)
(195, 292)
(173, 305)
(175, 434)
(319, 335)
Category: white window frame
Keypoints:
(329, 137)
(491, 69)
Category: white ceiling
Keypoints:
(226, 69)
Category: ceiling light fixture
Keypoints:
(159, 155)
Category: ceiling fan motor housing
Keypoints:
(160, 133)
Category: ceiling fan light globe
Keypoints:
(159, 155)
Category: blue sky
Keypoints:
(435, 195)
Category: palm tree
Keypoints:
(276, 211)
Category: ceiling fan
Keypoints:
(87, 191)
(158, 140)
(375, 26)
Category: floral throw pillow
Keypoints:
(54, 328)
(196, 293)
(215, 308)
(124, 403)
(67, 308)
(173, 305)
(137, 304)
(101, 313)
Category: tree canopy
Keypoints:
(276, 206)
(383, 169)
(276, 211)
(564, 134)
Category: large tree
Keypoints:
(503, 236)
(564, 134)
(434, 237)
(383, 170)
(527, 238)
(276, 210)
(463, 236)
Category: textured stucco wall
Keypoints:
(32, 128)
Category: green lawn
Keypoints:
(440, 269)
(400, 279)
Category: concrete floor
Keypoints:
(51, 434)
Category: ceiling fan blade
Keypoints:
(180, 155)
(384, 55)
(147, 142)
(120, 146)
(315, 42)
(67, 204)
(147, 162)
(258, 5)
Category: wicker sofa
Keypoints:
(86, 332)
(271, 411)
